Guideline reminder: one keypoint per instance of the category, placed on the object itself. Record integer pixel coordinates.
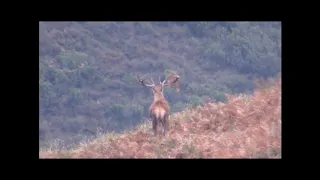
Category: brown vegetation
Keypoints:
(245, 127)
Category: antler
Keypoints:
(173, 78)
(141, 81)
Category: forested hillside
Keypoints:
(86, 69)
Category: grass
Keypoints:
(245, 127)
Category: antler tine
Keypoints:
(143, 77)
(141, 81)
(163, 82)
(152, 81)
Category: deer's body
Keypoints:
(159, 110)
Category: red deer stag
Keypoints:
(159, 110)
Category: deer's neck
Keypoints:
(158, 97)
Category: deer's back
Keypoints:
(159, 109)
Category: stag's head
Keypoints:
(157, 89)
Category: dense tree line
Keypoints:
(86, 69)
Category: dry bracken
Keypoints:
(244, 127)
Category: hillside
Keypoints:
(86, 70)
(245, 127)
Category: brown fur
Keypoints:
(159, 111)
